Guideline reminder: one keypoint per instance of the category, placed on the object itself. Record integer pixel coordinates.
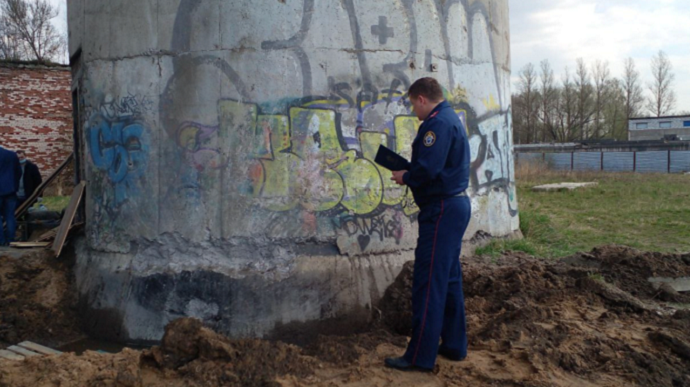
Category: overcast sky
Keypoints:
(608, 30)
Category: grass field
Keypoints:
(645, 211)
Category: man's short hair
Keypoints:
(21, 151)
(428, 87)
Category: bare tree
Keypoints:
(567, 110)
(632, 89)
(602, 77)
(584, 98)
(10, 43)
(548, 99)
(663, 99)
(615, 122)
(530, 104)
(29, 21)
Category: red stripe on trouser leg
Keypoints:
(428, 290)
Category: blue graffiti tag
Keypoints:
(120, 149)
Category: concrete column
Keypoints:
(230, 150)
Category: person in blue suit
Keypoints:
(438, 177)
(10, 173)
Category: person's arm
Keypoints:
(432, 151)
(17, 172)
(38, 177)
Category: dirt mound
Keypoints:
(588, 320)
(37, 300)
(396, 304)
(593, 319)
(349, 349)
(630, 269)
(196, 352)
(189, 355)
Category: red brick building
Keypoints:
(36, 112)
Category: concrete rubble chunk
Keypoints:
(678, 284)
(563, 187)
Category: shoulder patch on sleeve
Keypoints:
(429, 139)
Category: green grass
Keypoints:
(646, 211)
(54, 203)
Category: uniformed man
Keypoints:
(438, 178)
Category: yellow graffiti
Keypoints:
(405, 132)
(299, 161)
(457, 96)
(490, 103)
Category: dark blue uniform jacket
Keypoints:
(10, 172)
(440, 166)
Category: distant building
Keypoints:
(659, 128)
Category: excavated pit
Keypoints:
(592, 319)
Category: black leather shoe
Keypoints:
(450, 355)
(401, 364)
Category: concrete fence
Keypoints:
(622, 159)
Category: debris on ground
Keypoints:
(592, 319)
(562, 187)
(37, 300)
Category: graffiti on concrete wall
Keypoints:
(120, 151)
(301, 150)
(118, 145)
(126, 106)
(303, 159)
(366, 231)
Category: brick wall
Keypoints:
(36, 113)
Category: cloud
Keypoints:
(611, 30)
(60, 23)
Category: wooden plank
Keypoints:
(23, 351)
(49, 235)
(28, 245)
(67, 219)
(32, 199)
(10, 355)
(38, 348)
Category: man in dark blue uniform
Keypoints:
(438, 177)
(10, 173)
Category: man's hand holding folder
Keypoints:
(394, 162)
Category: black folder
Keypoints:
(391, 160)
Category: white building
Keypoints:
(659, 128)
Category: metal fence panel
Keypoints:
(530, 157)
(680, 161)
(587, 161)
(644, 161)
(652, 161)
(619, 161)
(559, 161)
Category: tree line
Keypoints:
(588, 103)
(27, 33)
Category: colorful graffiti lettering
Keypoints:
(303, 160)
(291, 141)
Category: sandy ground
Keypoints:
(588, 320)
